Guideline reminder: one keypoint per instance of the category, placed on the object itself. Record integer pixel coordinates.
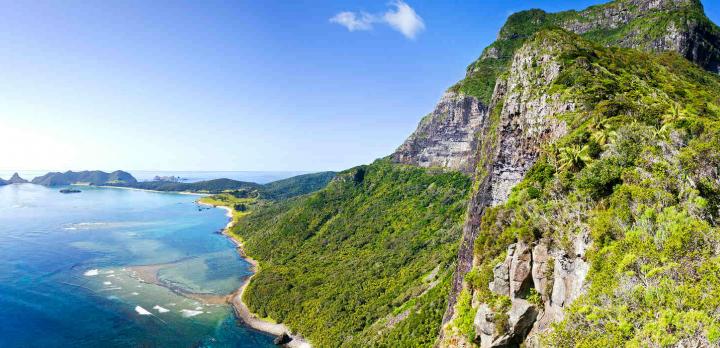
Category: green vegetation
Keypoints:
(209, 186)
(638, 171)
(94, 177)
(281, 189)
(364, 262)
(296, 186)
(639, 32)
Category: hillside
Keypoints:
(592, 141)
(616, 216)
(95, 177)
(364, 262)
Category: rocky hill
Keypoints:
(95, 177)
(573, 115)
(16, 179)
(447, 137)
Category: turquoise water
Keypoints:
(76, 270)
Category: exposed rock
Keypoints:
(484, 326)
(542, 262)
(501, 274)
(282, 339)
(522, 317)
(16, 179)
(520, 271)
(447, 136)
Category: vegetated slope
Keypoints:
(654, 26)
(94, 177)
(448, 136)
(296, 185)
(365, 261)
(208, 186)
(613, 231)
(281, 189)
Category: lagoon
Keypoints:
(116, 268)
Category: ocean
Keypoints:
(116, 268)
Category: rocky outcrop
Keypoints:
(553, 274)
(688, 32)
(447, 136)
(16, 179)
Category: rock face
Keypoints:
(688, 34)
(16, 179)
(447, 136)
(520, 120)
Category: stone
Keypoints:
(541, 264)
(447, 137)
(282, 339)
(522, 317)
(520, 271)
(484, 326)
(501, 274)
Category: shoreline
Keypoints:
(240, 309)
(158, 191)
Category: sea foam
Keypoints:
(187, 313)
(161, 309)
(91, 273)
(142, 311)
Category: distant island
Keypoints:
(94, 177)
(14, 179)
(281, 189)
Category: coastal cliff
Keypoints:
(95, 177)
(537, 107)
(573, 171)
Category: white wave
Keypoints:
(142, 311)
(187, 313)
(91, 273)
(161, 309)
(135, 293)
(110, 276)
(107, 283)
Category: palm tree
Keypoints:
(675, 113)
(574, 157)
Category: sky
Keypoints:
(231, 85)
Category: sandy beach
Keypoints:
(240, 308)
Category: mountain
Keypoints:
(447, 137)
(16, 179)
(590, 146)
(95, 177)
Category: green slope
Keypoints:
(340, 265)
(640, 32)
(639, 171)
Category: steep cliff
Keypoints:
(590, 154)
(448, 136)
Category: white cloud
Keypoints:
(404, 19)
(352, 21)
(401, 17)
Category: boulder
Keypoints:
(520, 271)
(484, 326)
(282, 339)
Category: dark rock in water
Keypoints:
(16, 179)
(282, 339)
(70, 191)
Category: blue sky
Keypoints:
(230, 85)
